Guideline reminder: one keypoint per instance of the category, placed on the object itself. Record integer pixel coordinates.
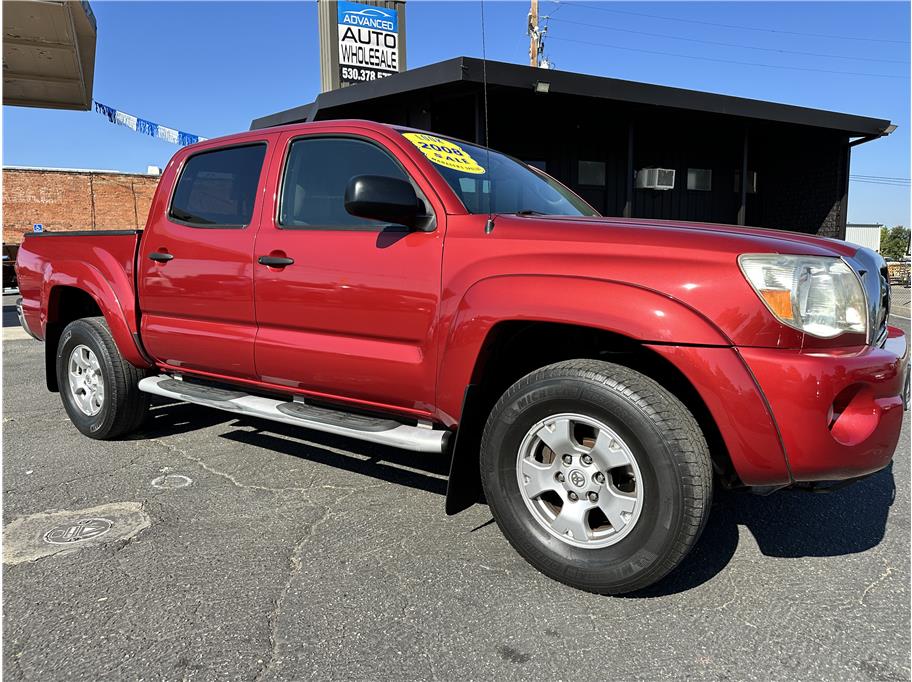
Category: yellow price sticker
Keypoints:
(444, 153)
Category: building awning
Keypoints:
(462, 71)
(48, 54)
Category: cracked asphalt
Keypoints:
(292, 555)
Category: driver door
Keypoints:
(352, 313)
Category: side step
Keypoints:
(338, 422)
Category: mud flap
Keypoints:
(464, 482)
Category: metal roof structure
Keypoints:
(48, 54)
(468, 71)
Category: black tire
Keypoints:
(665, 441)
(124, 407)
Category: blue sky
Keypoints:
(210, 67)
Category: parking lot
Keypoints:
(249, 550)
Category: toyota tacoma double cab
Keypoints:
(590, 378)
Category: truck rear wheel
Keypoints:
(98, 387)
(598, 476)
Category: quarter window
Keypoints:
(219, 188)
(316, 174)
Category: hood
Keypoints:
(695, 264)
(708, 235)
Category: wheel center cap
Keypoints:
(577, 478)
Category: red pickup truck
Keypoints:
(591, 377)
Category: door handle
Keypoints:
(160, 256)
(275, 261)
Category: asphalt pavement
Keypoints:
(243, 549)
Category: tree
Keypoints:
(894, 243)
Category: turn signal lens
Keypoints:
(779, 302)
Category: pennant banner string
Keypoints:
(141, 125)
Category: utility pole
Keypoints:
(534, 34)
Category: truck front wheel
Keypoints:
(598, 476)
(98, 387)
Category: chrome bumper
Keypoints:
(22, 321)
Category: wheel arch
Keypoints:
(74, 290)
(623, 310)
(64, 305)
(513, 348)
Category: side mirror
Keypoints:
(381, 198)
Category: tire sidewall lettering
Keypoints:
(662, 513)
(89, 337)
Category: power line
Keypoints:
(730, 61)
(736, 45)
(881, 177)
(886, 183)
(733, 26)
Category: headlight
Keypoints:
(815, 294)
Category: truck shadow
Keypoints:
(416, 470)
(787, 524)
(168, 418)
(424, 471)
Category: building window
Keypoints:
(218, 188)
(751, 182)
(591, 173)
(699, 179)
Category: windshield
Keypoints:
(490, 182)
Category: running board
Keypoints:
(352, 425)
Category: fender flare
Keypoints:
(119, 309)
(639, 313)
(644, 315)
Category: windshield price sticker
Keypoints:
(444, 153)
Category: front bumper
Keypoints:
(839, 411)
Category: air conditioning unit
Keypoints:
(655, 178)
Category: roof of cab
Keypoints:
(249, 135)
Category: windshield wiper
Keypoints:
(529, 211)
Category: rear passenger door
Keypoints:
(353, 314)
(196, 262)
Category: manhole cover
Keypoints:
(171, 481)
(63, 531)
(83, 529)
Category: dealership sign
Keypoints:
(368, 42)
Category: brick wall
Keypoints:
(66, 200)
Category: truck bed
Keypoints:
(101, 262)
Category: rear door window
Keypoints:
(219, 188)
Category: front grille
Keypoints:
(880, 330)
(874, 277)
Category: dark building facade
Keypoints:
(736, 160)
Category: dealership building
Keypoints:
(630, 149)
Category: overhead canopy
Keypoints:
(48, 54)
(462, 71)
